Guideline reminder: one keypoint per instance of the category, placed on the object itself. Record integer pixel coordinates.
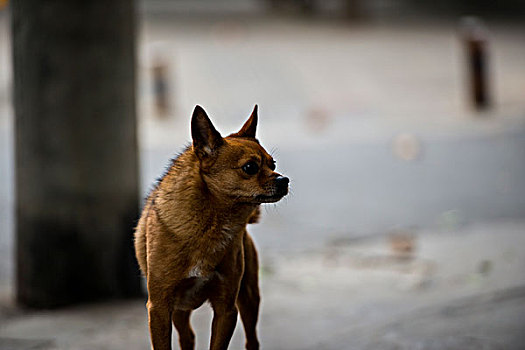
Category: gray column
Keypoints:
(76, 150)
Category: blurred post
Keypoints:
(161, 86)
(76, 150)
(475, 41)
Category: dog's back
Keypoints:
(140, 238)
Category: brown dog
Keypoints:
(191, 241)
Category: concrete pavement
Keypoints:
(460, 289)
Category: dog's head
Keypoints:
(236, 167)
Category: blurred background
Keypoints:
(400, 123)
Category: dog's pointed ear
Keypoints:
(249, 128)
(206, 139)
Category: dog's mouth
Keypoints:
(263, 198)
(267, 199)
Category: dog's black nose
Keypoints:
(282, 181)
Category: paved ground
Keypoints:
(460, 289)
(370, 123)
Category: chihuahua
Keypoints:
(191, 240)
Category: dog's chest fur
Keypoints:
(212, 248)
(204, 271)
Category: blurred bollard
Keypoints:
(161, 86)
(474, 37)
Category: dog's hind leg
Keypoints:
(181, 321)
(248, 299)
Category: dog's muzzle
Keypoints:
(279, 190)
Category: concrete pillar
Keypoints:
(76, 150)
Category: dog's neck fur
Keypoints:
(207, 215)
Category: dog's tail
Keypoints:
(254, 218)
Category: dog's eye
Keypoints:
(272, 165)
(250, 168)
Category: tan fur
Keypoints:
(191, 240)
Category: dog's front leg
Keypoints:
(223, 325)
(223, 300)
(159, 320)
